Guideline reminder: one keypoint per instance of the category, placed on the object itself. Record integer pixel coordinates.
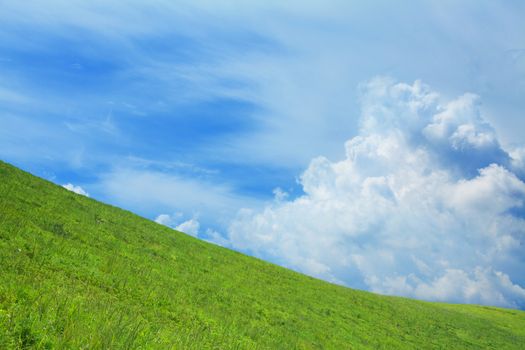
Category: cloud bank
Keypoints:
(425, 204)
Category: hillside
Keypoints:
(76, 273)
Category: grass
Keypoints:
(79, 274)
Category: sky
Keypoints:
(376, 145)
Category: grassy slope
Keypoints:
(75, 273)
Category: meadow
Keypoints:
(79, 274)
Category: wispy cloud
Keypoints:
(296, 66)
(152, 192)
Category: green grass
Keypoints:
(79, 274)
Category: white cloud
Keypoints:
(175, 221)
(279, 194)
(165, 219)
(76, 189)
(424, 205)
(518, 160)
(190, 227)
(215, 237)
(480, 286)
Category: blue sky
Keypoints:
(257, 125)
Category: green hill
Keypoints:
(79, 274)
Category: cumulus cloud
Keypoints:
(215, 237)
(279, 194)
(76, 189)
(190, 227)
(425, 204)
(166, 219)
(518, 160)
